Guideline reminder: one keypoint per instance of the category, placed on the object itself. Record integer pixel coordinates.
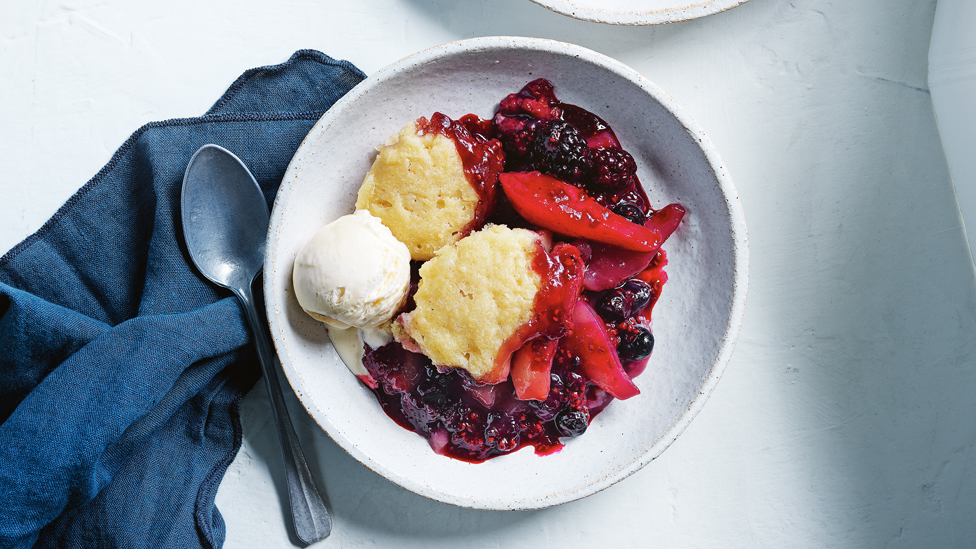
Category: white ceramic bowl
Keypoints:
(695, 321)
(638, 12)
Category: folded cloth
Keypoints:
(121, 368)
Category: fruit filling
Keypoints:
(534, 312)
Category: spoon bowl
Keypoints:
(225, 217)
(225, 225)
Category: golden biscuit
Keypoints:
(418, 188)
(471, 299)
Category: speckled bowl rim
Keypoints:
(739, 253)
(685, 11)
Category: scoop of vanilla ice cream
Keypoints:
(352, 273)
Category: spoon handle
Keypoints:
(312, 520)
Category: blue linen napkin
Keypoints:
(122, 369)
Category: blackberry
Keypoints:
(613, 168)
(434, 390)
(572, 422)
(635, 344)
(433, 380)
(624, 302)
(630, 211)
(436, 399)
(559, 149)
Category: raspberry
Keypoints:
(515, 133)
(537, 98)
(613, 169)
(541, 89)
(559, 150)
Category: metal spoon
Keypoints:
(225, 224)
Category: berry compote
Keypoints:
(566, 375)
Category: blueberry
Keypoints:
(625, 301)
(572, 422)
(613, 307)
(630, 211)
(635, 344)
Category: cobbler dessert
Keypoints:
(536, 263)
